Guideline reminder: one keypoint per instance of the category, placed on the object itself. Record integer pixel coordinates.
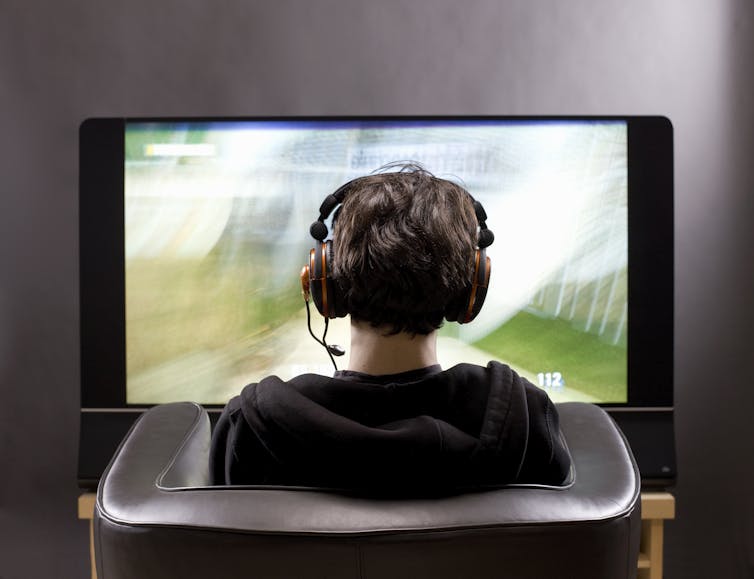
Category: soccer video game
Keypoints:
(217, 218)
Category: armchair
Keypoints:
(157, 516)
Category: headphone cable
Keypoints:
(324, 335)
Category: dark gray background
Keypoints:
(61, 62)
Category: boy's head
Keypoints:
(404, 245)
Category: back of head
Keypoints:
(404, 245)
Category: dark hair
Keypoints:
(404, 243)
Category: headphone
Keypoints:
(317, 281)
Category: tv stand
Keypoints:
(656, 508)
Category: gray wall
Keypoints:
(61, 62)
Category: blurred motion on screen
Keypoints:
(217, 219)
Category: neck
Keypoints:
(372, 352)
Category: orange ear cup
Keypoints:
(479, 285)
(319, 277)
(319, 285)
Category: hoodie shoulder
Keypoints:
(520, 429)
(547, 458)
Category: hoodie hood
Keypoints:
(467, 425)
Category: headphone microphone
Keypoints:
(335, 350)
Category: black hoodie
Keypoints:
(427, 429)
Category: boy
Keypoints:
(407, 252)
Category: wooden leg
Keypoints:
(655, 548)
(91, 548)
(86, 512)
(656, 507)
(650, 552)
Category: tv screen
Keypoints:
(216, 231)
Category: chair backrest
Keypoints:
(156, 516)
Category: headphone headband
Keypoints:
(318, 229)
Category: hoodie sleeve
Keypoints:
(547, 460)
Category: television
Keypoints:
(193, 232)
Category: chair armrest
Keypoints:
(159, 475)
(166, 449)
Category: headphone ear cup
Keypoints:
(325, 293)
(480, 283)
(465, 308)
(479, 288)
(317, 286)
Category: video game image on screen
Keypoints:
(217, 219)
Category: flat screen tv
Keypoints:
(193, 233)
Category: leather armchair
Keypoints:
(156, 516)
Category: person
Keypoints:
(407, 252)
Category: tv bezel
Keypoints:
(650, 252)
